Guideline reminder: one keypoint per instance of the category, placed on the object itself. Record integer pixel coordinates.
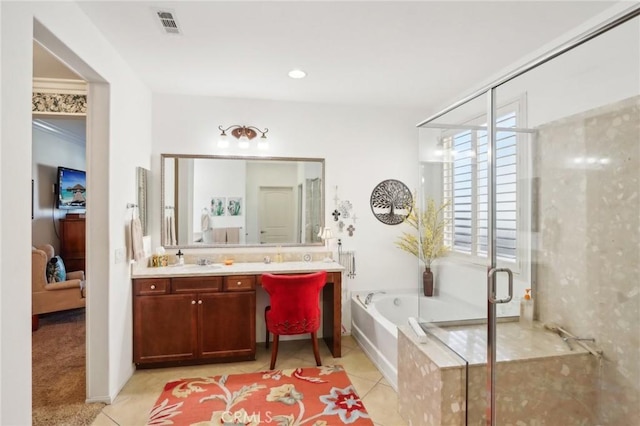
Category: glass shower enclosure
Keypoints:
(539, 293)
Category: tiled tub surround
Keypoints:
(588, 261)
(539, 378)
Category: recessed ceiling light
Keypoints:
(297, 73)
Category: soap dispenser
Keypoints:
(179, 258)
(526, 309)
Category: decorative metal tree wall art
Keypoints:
(391, 201)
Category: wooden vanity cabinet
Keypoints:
(228, 329)
(193, 319)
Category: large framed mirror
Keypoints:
(220, 201)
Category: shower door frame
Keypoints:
(489, 91)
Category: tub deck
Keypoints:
(538, 377)
(515, 341)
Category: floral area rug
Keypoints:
(317, 396)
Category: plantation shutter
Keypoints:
(465, 186)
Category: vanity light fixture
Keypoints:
(244, 134)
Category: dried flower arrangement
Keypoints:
(430, 224)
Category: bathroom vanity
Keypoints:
(193, 314)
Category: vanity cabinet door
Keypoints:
(164, 328)
(227, 325)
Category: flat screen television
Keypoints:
(72, 189)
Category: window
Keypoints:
(465, 187)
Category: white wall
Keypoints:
(49, 152)
(600, 72)
(362, 147)
(121, 120)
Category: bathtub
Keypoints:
(375, 327)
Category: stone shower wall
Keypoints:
(587, 260)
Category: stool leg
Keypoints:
(266, 340)
(316, 351)
(274, 351)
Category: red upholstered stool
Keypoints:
(294, 309)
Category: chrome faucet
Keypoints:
(367, 299)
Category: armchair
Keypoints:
(51, 297)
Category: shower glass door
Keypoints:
(540, 178)
(454, 154)
(577, 235)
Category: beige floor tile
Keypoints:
(103, 420)
(357, 364)
(382, 405)
(349, 342)
(306, 353)
(131, 410)
(384, 381)
(362, 386)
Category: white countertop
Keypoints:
(251, 268)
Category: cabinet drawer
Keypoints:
(239, 283)
(150, 286)
(196, 284)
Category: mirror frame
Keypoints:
(246, 158)
(142, 179)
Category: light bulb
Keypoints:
(297, 73)
(223, 142)
(243, 142)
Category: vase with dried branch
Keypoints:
(427, 242)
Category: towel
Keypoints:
(204, 222)
(137, 249)
(233, 235)
(172, 231)
(219, 235)
(165, 234)
(169, 237)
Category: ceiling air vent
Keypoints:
(168, 21)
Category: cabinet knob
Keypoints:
(239, 282)
(199, 302)
(153, 286)
(193, 302)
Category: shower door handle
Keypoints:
(492, 285)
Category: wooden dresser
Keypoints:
(72, 243)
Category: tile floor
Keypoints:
(132, 405)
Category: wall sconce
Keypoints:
(244, 134)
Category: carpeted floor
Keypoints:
(58, 370)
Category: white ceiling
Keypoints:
(406, 54)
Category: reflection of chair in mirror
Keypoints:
(57, 296)
(294, 308)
